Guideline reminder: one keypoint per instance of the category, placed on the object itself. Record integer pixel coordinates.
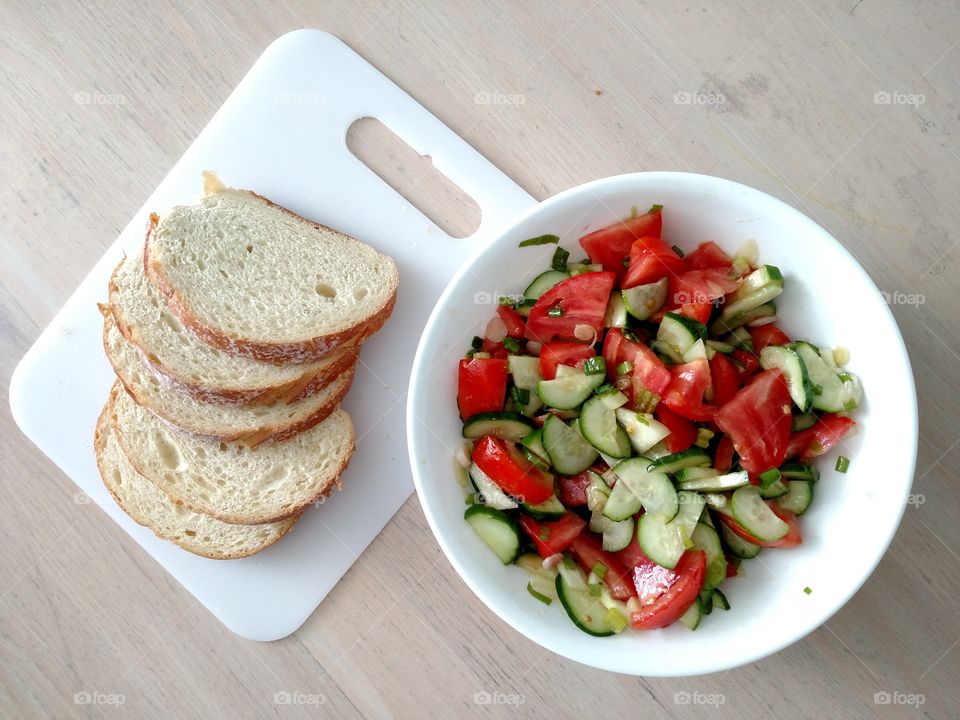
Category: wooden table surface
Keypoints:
(849, 110)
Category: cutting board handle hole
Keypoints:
(414, 177)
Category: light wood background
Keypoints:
(97, 100)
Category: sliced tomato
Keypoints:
(747, 364)
(767, 335)
(610, 246)
(554, 536)
(651, 259)
(758, 422)
(580, 300)
(648, 371)
(511, 471)
(684, 395)
(588, 550)
(482, 386)
(683, 432)
(829, 430)
(572, 489)
(631, 556)
(792, 538)
(516, 326)
(708, 255)
(562, 352)
(696, 311)
(723, 455)
(723, 374)
(703, 286)
(683, 586)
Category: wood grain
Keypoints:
(99, 100)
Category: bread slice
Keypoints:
(146, 504)
(229, 480)
(256, 280)
(198, 368)
(250, 424)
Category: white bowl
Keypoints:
(828, 299)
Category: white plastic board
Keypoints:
(282, 133)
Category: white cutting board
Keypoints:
(282, 133)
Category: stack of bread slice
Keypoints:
(234, 332)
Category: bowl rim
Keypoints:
(781, 208)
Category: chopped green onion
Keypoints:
(511, 344)
(677, 250)
(521, 396)
(645, 400)
(845, 377)
(599, 569)
(817, 389)
(633, 211)
(596, 589)
(538, 595)
(616, 620)
(606, 389)
(807, 590)
(655, 208)
(843, 464)
(850, 405)
(704, 436)
(626, 262)
(540, 240)
(768, 477)
(560, 257)
(470, 499)
(555, 312)
(625, 368)
(594, 366)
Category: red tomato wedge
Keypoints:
(553, 536)
(696, 311)
(572, 489)
(823, 436)
(708, 255)
(631, 555)
(767, 335)
(651, 259)
(495, 349)
(684, 395)
(511, 471)
(562, 352)
(792, 538)
(723, 374)
(588, 550)
(580, 300)
(723, 456)
(482, 386)
(513, 320)
(758, 422)
(703, 286)
(683, 432)
(747, 364)
(610, 246)
(683, 586)
(648, 371)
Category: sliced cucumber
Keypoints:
(695, 473)
(834, 390)
(789, 362)
(616, 315)
(643, 301)
(798, 498)
(721, 347)
(549, 509)
(692, 617)
(737, 545)
(758, 288)
(642, 429)
(774, 489)
(598, 425)
(586, 610)
(717, 483)
(719, 600)
(569, 390)
(796, 471)
(533, 443)
(740, 338)
(525, 370)
(755, 516)
(665, 542)
(597, 493)
(705, 538)
(617, 535)
(677, 334)
(802, 422)
(697, 351)
(718, 501)
(705, 601)
(489, 493)
(506, 425)
(694, 457)
(496, 529)
(543, 282)
(637, 487)
(760, 312)
(568, 452)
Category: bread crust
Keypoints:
(99, 445)
(300, 351)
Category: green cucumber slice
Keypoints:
(496, 529)
(598, 425)
(569, 391)
(755, 516)
(642, 429)
(506, 425)
(798, 497)
(543, 282)
(653, 489)
(488, 492)
(789, 362)
(549, 509)
(717, 483)
(643, 301)
(664, 541)
(677, 334)
(738, 547)
(705, 538)
(694, 457)
(692, 617)
(585, 610)
(566, 449)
